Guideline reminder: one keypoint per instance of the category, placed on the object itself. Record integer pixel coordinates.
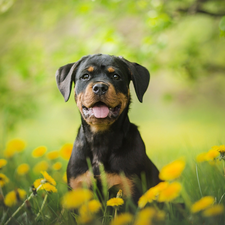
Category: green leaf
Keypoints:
(222, 24)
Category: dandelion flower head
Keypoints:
(66, 151)
(214, 210)
(57, 166)
(14, 196)
(145, 216)
(202, 204)
(122, 219)
(52, 155)
(173, 170)
(3, 179)
(3, 162)
(115, 202)
(48, 178)
(39, 151)
(171, 192)
(23, 169)
(90, 207)
(212, 154)
(75, 198)
(14, 146)
(220, 148)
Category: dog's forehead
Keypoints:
(103, 61)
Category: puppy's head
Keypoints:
(102, 87)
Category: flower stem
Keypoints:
(115, 215)
(31, 195)
(42, 206)
(199, 185)
(1, 192)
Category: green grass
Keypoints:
(198, 180)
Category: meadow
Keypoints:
(188, 147)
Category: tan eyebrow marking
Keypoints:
(111, 69)
(90, 69)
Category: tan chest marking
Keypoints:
(87, 179)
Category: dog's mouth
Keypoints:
(100, 111)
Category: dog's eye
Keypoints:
(116, 77)
(85, 77)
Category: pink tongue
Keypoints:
(101, 111)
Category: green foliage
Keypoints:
(38, 37)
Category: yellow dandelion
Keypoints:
(173, 170)
(14, 196)
(91, 207)
(220, 148)
(161, 186)
(75, 198)
(66, 151)
(57, 166)
(52, 155)
(94, 206)
(202, 204)
(10, 199)
(42, 184)
(142, 201)
(23, 169)
(39, 151)
(65, 178)
(122, 219)
(37, 183)
(3, 162)
(115, 202)
(87, 211)
(48, 178)
(48, 187)
(3, 179)
(149, 196)
(212, 154)
(16, 145)
(41, 166)
(9, 153)
(201, 157)
(145, 216)
(170, 193)
(21, 193)
(214, 210)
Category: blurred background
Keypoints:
(182, 43)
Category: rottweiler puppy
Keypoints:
(106, 137)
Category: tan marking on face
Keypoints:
(111, 98)
(84, 180)
(90, 69)
(111, 69)
(122, 182)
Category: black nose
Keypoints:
(100, 89)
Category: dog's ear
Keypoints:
(140, 77)
(65, 76)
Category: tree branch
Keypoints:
(197, 10)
